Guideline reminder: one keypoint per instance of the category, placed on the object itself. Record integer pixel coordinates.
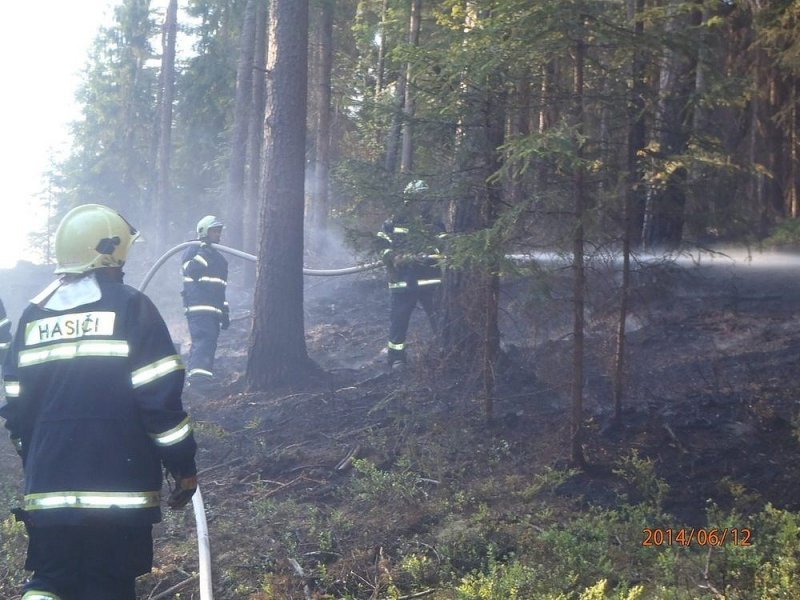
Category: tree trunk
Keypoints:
(381, 65)
(396, 130)
(632, 200)
(547, 116)
(700, 208)
(255, 138)
(166, 94)
(278, 352)
(519, 126)
(665, 204)
(409, 107)
(318, 213)
(576, 426)
(242, 116)
(792, 199)
(637, 133)
(470, 294)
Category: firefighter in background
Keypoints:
(93, 405)
(205, 278)
(408, 245)
(5, 332)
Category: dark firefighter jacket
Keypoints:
(205, 278)
(93, 404)
(5, 331)
(410, 249)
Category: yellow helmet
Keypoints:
(92, 236)
(206, 223)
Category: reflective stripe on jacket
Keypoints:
(205, 279)
(410, 251)
(93, 398)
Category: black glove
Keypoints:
(225, 320)
(185, 487)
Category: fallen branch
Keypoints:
(416, 595)
(175, 588)
(222, 464)
(282, 486)
(304, 467)
(301, 573)
(674, 437)
(706, 576)
(348, 459)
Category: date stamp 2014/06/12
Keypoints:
(696, 536)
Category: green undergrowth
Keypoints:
(411, 520)
(390, 534)
(393, 532)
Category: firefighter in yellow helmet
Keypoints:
(93, 406)
(205, 280)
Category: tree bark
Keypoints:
(166, 95)
(241, 122)
(278, 352)
(409, 102)
(579, 282)
(470, 294)
(632, 197)
(666, 203)
(394, 140)
(255, 136)
(318, 217)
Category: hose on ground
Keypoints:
(201, 524)
(203, 546)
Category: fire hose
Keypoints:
(252, 258)
(201, 524)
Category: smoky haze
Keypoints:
(327, 296)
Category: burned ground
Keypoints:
(329, 489)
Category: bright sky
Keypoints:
(43, 49)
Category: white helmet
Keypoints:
(206, 223)
(416, 187)
(92, 236)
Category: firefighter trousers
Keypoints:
(403, 303)
(204, 330)
(97, 562)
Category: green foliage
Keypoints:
(13, 545)
(516, 581)
(547, 481)
(110, 158)
(205, 93)
(375, 485)
(786, 235)
(573, 556)
(640, 473)
(778, 534)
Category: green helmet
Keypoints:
(90, 237)
(206, 223)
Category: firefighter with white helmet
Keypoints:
(409, 245)
(205, 279)
(93, 406)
